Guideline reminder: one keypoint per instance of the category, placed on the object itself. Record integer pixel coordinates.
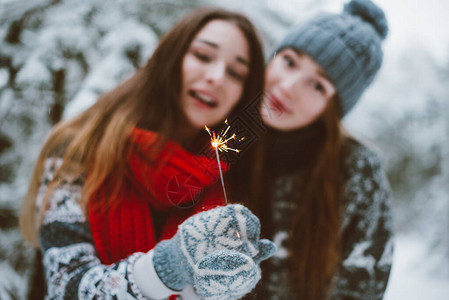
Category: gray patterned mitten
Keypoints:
(225, 274)
(217, 251)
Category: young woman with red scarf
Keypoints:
(114, 181)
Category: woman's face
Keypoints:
(297, 91)
(214, 71)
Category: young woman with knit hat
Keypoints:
(113, 182)
(320, 194)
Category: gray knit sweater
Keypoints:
(366, 231)
(72, 267)
(71, 264)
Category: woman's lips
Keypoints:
(277, 105)
(204, 98)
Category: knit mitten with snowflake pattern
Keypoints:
(217, 251)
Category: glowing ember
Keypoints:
(220, 141)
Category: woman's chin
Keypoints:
(272, 122)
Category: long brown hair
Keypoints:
(317, 219)
(315, 231)
(96, 142)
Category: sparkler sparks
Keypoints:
(219, 142)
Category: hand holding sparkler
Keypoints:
(217, 251)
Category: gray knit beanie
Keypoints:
(347, 46)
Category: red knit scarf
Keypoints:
(168, 183)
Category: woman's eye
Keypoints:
(318, 87)
(235, 75)
(289, 61)
(202, 56)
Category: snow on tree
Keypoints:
(58, 56)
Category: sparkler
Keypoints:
(219, 142)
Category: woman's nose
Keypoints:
(290, 85)
(216, 73)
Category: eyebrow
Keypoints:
(324, 75)
(214, 45)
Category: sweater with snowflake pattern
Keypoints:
(366, 222)
(366, 226)
(71, 264)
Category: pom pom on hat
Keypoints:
(370, 13)
(347, 46)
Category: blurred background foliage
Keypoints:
(58, 56)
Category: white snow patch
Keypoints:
(409, 278)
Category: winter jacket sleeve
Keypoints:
(72, 268)
(366, 229)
